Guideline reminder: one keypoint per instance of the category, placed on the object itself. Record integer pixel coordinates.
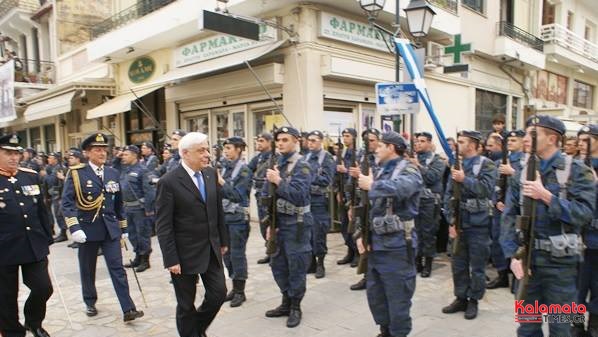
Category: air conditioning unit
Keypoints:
(434, 55)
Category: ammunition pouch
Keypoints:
(230, 207)
(387, 224)
(265, 201)
(318, 190)
(285, 207)
(476, 205)
(560, 245)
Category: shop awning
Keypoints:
(50, 107)
(216, 64)
(119, 104)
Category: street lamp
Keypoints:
(372, 7)
(419, 17)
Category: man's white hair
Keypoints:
(190, 139)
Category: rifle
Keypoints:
(217, 156)
(526, 221)
(340, 177)
(353, 193)
(270, 203)
(588, 158)
(362, 211)
(456, 201)
(502, 182)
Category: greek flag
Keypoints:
(404, 49)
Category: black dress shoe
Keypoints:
(91, 311)
(38, 332)
(132, 315)
(264, 260)
(359, 285)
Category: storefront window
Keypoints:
(23, 136)
(36, 138)
(239, 124)
(221, 124)
(198, 124)
(266, 119)
(338, 118)
(582, 95)
(367, 120)
(50, 135)
(487, 104)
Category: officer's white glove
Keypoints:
(124, 236)
(79, 236)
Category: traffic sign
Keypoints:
(396, 99)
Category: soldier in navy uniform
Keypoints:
(259, 165)
(54, 182)
(138, 198)
(25, 235)
(174, 149)
(93, 206)
(29, 160)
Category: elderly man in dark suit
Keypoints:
(192, 234)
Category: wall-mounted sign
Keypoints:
(141, 69)
(220, 45)
(351, 31)
(396, 99)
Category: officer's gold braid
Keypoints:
(83, 204)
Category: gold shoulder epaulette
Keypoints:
(76, 167)
(24, 169)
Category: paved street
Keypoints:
(329, 308)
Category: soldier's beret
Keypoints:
(265, 135)
(350, 131)
(372, 131)
(516, 133)
(394, 138)
(288, 130)
(424, 134)
(54, 154)
(591, 129)
(548, 122)
(179, 132)
(317, 134)
(471, 134)
(10, 142)
(236, 141)
(75, 152)
(97, 139)
(131, 148)
(149, 145)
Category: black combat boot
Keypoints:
(144, 264)
(472, 309)
(593, 326)
(384, 332)
(359, 285)
(238, 293)
(312, 265)
(320, 270)
(134, 263)
(348, 258)
(427, 270)
(578, 330)
(355, 260)
(501, 281)
(264, 260)
(295, 313)
(459, 304)
(282, 310)
(418, 264)
(61, 237)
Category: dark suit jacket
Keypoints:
(187, 227)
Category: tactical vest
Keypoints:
(315, 189)
(228, 206)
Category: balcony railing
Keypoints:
(142, 8)
(448, 5)
(34, 71)
(508, 29)
(557, 34)
(8, 5)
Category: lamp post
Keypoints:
(419, 19)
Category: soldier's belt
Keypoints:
(285, 207)
(318, 190)
(135, 203)
(476, 205)
(560, 245)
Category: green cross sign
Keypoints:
(457, 48)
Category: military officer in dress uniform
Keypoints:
(565, 195)
(394, 194)
(432, 169)
(477, 178)
(323, 168)
(138, 198)
(25, 235)
(93, 206)
(174, 149)
(588, 272)
(259, 165)
(373, 137)
(235, 179)
(292, 177)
